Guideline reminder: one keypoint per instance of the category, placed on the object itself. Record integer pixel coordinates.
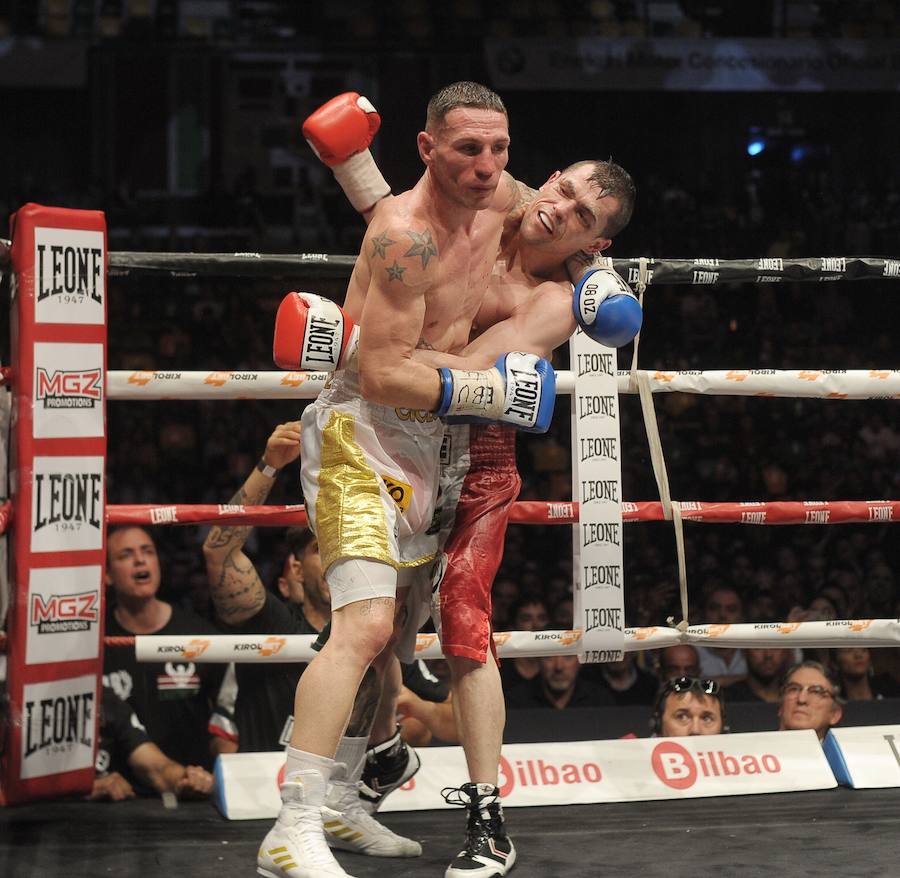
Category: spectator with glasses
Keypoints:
(810, 699)
(688, 706)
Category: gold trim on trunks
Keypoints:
(350, 517)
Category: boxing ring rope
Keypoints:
(651, 270)
(657, 270)
(795, 383)
(536, 512)
(541, 512)
(804, 383)
(521, 644)
(224, 648)
(643, 271)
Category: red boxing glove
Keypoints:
(312, 334)
(341, 128)
(339, 133)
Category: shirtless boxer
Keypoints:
(369, 470)
(575, 211)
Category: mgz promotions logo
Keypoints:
(64, 389)
(60, 613)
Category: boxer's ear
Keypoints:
(554, 176)
(425, 143)
(599, 245)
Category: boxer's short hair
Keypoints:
(461, 94)
(614, 180)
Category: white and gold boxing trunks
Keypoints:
(369, 475)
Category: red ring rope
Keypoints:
(542, 512)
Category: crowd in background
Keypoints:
(428, 25)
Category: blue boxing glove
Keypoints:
(519, 390)
(606, 309)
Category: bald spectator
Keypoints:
(678, 661)
(765, 670)
(810, 699)
(688, 706)
(723, 606)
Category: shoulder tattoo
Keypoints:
(395, 271)
(523, 193)
(422, 245)
(380, 243)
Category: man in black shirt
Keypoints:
(765, 668)
(265, 694)
(558, 685)
(626, 682)
(126, 757)
(260, 719)
(172, 699)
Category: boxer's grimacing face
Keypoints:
(568, 213)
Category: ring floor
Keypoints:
(833, 832)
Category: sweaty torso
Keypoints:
(408, 245)
(508, 288)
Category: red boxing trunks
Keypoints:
(482, 473)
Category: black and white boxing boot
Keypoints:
(489, 851)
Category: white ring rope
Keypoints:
(793, 383)
(521, 644)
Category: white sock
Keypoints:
(352, 753)
(301, 760)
